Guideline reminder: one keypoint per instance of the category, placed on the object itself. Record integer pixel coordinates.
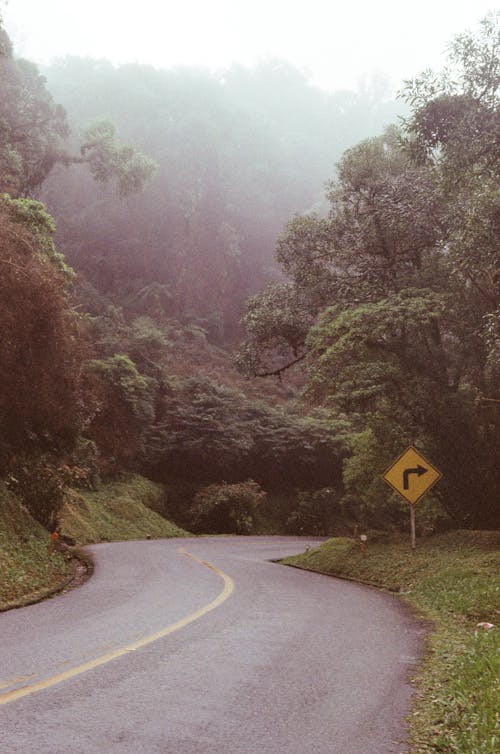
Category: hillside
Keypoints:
(118, 511)
(27, 569)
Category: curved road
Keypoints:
(160, 653)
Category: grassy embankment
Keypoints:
(26, 569)
(453, 580)
(124, 509)
(117, 511)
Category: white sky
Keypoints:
(337, 44)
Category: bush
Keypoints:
(40, 484)
(177, 501)
(125, 410)
(226, 508)
(84, 469)
(315, 513)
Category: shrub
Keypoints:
(315, 513)
(124, 410)
(226, 508)
(40, 484)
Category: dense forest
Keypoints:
(236, 156)
(206, 314)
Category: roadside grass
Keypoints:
(118, 510)
(26, 568)
(452, 579)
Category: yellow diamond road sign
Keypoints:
(412, 475)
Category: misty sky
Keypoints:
(336, 43)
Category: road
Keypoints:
(158, 653)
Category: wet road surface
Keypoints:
(203, 646)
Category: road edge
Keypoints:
(83, 568)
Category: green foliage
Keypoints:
(315, 513)
(194, 430)
(375, 243)
(391, 299)
(402, 281)
(232, 166)
(453, 580)
(41, 350)
(226, 508)
(40, 484)
(34, 218)
(109, 160)
(365, 500)
(32, 126)
(369, 351)
(34, 215)
(277, 321)
(27, 569)
(365, 491)
(453, 119)
(34, 129)
(124, 409)
(194, 427)
(121, 374)
(223, 435)
(128, 507)
(85, 460)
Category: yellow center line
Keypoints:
(11, 696)
(11, 681)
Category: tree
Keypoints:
(388, 362)
(237, 154)
(41, 358)
(34, 130)
(402, 278)
(108, 160)
(226, 508)
(124, 410)
(32, 126)
(383, 224)
(221, 434)
(277, 321)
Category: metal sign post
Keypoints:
(412, 527)
(411, 476)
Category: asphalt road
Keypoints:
(159, 653)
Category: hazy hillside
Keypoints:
(238, 154)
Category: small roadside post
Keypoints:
(411, 476)
(363, 538)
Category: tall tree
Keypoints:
(402, 282)
(41, 347)
(32, 126)
(34, 130)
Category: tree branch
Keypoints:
(278, 372)
(487, 296)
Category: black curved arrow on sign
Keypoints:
(419, 470)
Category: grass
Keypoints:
(453, 580)
(26, 568)
(120, 510)
(117, 511)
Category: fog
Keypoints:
(337, 45)
(220, 209)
